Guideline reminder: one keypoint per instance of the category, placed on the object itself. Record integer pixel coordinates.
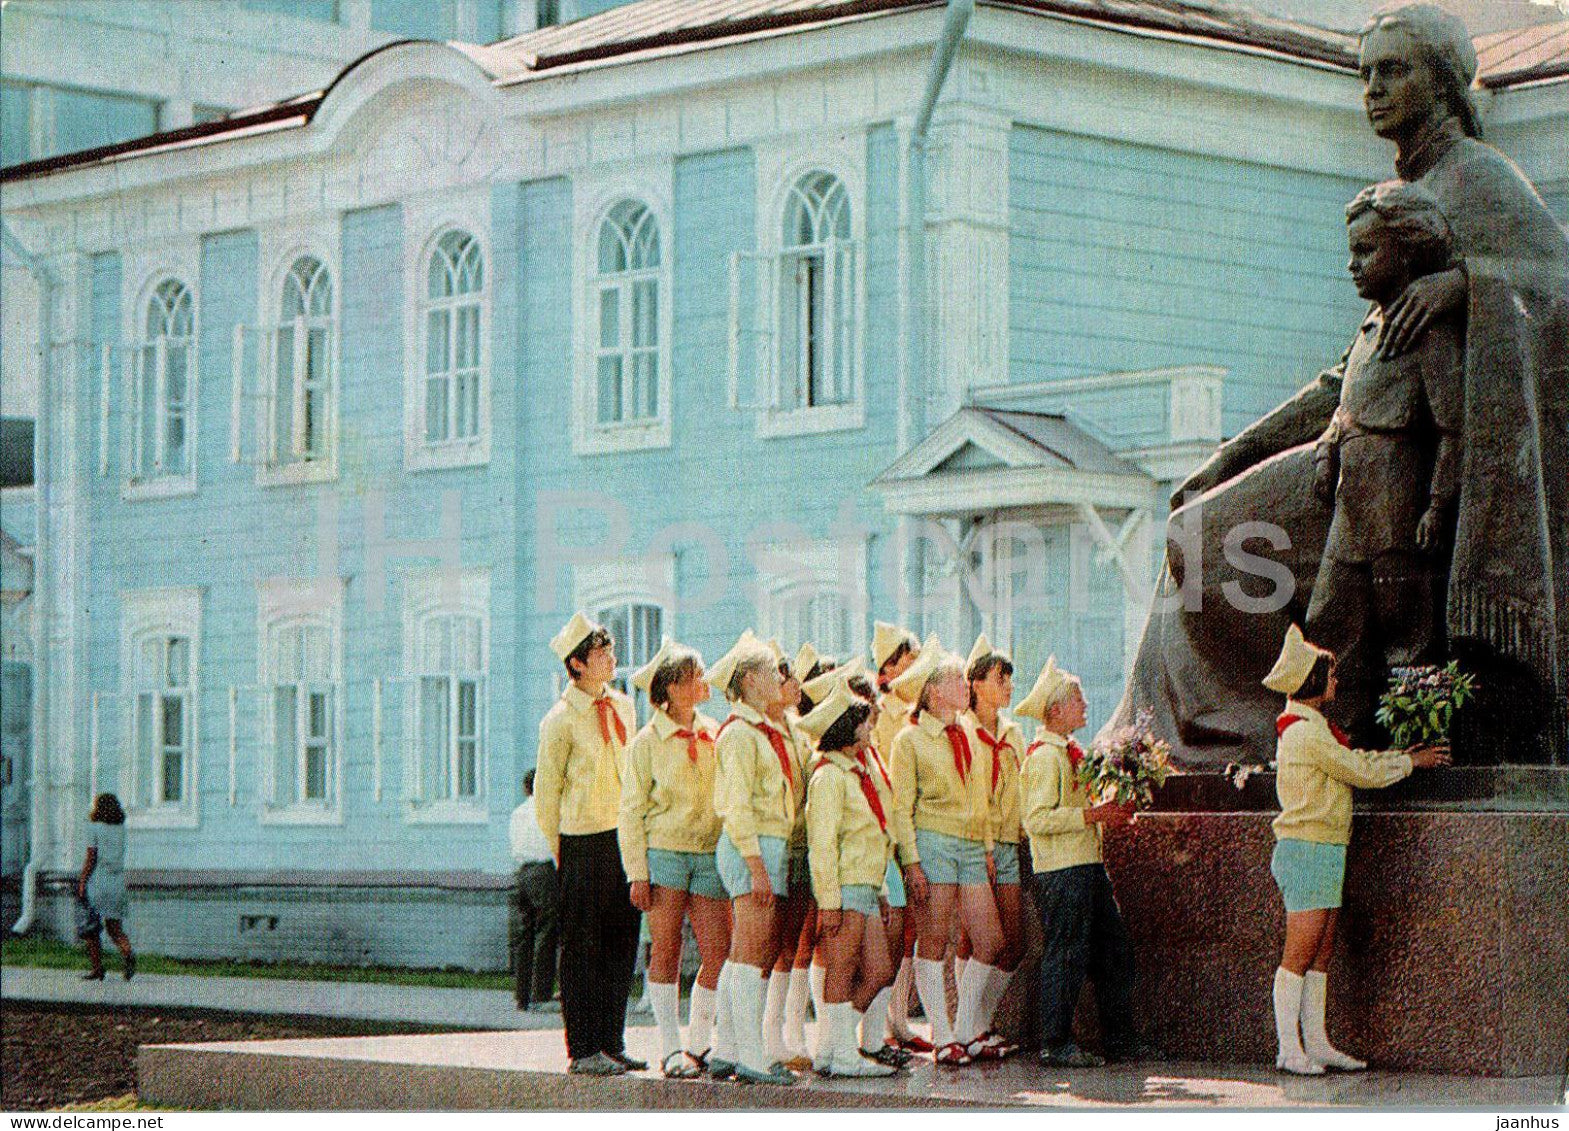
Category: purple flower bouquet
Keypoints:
(1420, 705)
(1127, 765)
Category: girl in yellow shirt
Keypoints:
(754, 794)
(1316, 770)
(847, 834)
(942, 825)
(1001, 751)
(668, 831)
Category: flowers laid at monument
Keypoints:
(1128, 764)
(1419, 707)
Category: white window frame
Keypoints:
(596, 195)
(153, 613)
(782, 165)
(315, 603)
(427, 221)
(608, 583)
(282, 250)
(790, 571)
(159, 484)
(428, 594)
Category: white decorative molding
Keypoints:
(143, 267)
(639, 580)
(595, 192)
(793, 572)
(426, 219)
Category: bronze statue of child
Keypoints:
(1390, 459)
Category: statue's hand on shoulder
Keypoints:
(1425, 300)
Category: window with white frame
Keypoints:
(301, 685)
(814, 591)
(818, 307)
(637, 627)
(626, 311)
(300, 421)
(162, 385)
(160, 637)
(454, 340)
(447, 654)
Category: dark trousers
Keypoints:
(599, 931)
(1084, 936)
(533, 932)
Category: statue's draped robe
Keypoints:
(1198, 669)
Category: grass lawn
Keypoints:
(48, 953)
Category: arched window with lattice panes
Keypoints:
(626, 309)
(303, 394)
(818, 297)
(454, 340)
(163, 384)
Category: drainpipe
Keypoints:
(955, 22)
(38, 830)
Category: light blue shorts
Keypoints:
(893, 884)
(1310, 874)
(859, 897)
(1007, 857)
(695, 872)
(737, 877)
(951, 860)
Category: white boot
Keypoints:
(1288, 1008)
(845, 1058)
(1315, 1039)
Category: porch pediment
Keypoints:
(985, 459)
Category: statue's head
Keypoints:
(1397, 232)
(1417, 65)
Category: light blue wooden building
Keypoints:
(695, 317)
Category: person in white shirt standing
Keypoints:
(532, 932)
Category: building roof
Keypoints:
(648, 28)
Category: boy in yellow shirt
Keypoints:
(668, 832)
(577, 790)
(1084, 931)
(1316, 771)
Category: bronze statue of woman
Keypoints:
(1213, 631)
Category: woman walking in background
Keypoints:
(102, 883)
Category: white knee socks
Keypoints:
(872, 1025)
(665, 997)
(746, 1006)
(773, 1016)
(1288, 1008)
(700, 1032)
(1315, 1039)
(796, 998)
(724, 1017)
(934, 1000)
(969, 1023)
(817, 978)
(991, 997)
(899, 1003)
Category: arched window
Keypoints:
(301, 418)
(637, 628)
(454, 305)
(161, 392)
(627, 310)
(818, 296)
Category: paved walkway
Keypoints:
(360, 1001)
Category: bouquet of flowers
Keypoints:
(1127, 765)
(1420, 705)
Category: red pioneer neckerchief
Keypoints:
(692, 737)
(607, 715)
(869, 754)
(1285, 723)
(997, 746)
(1075, 754)
(961, 749)
(776, 740)
(869, 790)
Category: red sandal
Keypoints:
(953, 1056)
(915, 1044)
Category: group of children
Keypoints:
(827, 841)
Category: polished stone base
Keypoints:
(527, 1071)
(1453, 946)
